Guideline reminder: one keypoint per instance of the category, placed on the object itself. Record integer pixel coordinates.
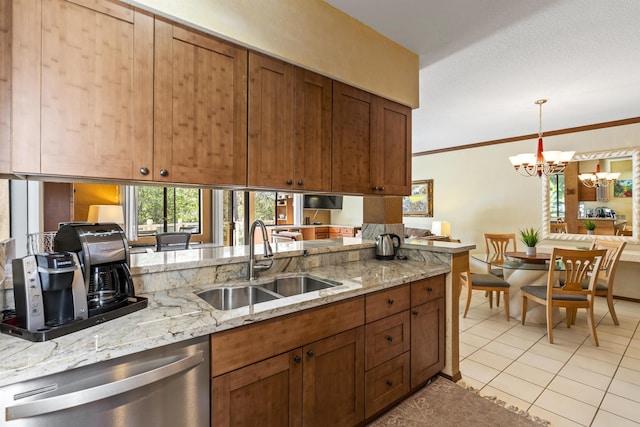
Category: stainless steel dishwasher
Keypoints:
(168, 386)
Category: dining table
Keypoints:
(522, 270)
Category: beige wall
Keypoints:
(309, 33)
(478, 191)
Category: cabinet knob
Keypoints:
(144, 171)
(297, 359)
(389, 338)
(300, 182)
(289, 181)
(310, 353)
(390, 301)
(374, 188)
(429, 290)
(415, 313)
(389, 383)
(164, 172)
(381, 188)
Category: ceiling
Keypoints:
(483, 63)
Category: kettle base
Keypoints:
(387, 257)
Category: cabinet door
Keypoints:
(427, 341)
(266, 393)
(393, 159)
(270, 122)
(333, 380)
(355, 139)
(312, 131)
(200, 106)
(82, 89)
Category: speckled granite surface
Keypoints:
(176, 313)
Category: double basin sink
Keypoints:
(229, 298)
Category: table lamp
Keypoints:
(106, 213)
(441, 228)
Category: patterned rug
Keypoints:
(445, 403)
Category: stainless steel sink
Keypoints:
(228, 298)
(289, 286)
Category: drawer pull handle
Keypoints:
(297, 359)
(310, 353)
(389, 338)
(390, 302)
(389, 383)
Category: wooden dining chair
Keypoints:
(558, 227)
(484, 282)
(578, 266)
(172, 241)
(606, 276)
(496, 244)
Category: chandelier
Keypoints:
(598, 179)
(542, 162)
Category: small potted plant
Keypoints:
(590, 226)
(530, 237)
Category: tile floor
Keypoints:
(570, 382)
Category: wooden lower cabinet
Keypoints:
(427, 340)
(326, 366)
(321, 383)
(267, 393)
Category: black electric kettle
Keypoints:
(387, 245)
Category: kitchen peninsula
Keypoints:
(604, 226)
(171, 279)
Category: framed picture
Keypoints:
(420, 201)
(623, 188)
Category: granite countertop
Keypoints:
(178, 314)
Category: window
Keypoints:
(166, 209)
(556, 196)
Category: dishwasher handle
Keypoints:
(93, 394)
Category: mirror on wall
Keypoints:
(568, 205)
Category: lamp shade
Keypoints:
(441, 228)
(106, 213)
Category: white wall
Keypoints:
(351, 212)
(477, 189)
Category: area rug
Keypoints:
(445, 403)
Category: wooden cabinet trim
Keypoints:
(240, 347)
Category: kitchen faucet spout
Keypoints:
(268, 253)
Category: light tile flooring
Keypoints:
(569, 383)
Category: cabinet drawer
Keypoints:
(387, 383)
(322, 235)
(387, 302)
(347, 232)
(248, 344)
(387, 338)
(426, 290)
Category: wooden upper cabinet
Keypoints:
(82, 92)
(393, 167)
(312, 131)
(354, 138)
(371, 143)
(271, 98)
(200, 108)
(289, 126)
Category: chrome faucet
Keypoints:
(268, 253)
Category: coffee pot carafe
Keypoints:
(387, 245)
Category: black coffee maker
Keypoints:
(49, 291)
(103, 251)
